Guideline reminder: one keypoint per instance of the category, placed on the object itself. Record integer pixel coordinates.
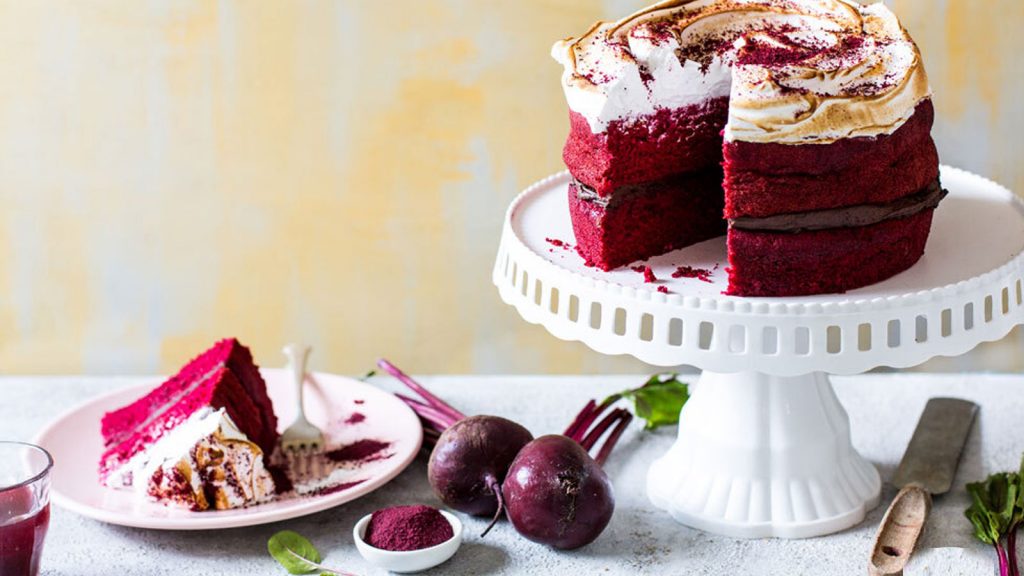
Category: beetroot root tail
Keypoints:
(492, 482)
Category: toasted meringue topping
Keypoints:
(795, 71)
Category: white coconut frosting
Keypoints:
(680, 53)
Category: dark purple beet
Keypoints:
(556, 494)
(470, 460)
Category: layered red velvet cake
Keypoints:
(801, 128)
(201, 439)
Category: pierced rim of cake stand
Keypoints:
(764, 445)
(966, 289)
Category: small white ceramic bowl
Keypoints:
(410, 560)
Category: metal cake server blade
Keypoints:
(928, 467)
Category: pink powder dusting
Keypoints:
(336, 488)
(361, 451)
(355, 418)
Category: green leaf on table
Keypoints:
(298, 555)
(658, 401)
(295, 553)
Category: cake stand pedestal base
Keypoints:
(761, 456)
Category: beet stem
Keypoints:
(1011, 550)
(429, 426)
(427, 412)
(429, 442)
(613, 438)
(495, 487)
(595, 433)
(430, 419)
(417, 388)
(1004, 562)
(412, 401)
(572, 429)
(588, 421)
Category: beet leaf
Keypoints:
(994, 513)
(1016, 523)
(658, 402)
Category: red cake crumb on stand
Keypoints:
(702, 274)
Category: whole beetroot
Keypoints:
(551, 489)
(471, 454)
(556, 494)
(469, 462)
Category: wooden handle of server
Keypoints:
(899, 532)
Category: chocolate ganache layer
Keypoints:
(708, 179)
(587, 194)
(792, 222)
(845, 217)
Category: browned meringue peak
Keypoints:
(795, 70)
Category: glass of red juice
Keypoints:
(24, 507)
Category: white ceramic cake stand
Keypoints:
(764, 444)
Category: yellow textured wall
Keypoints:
(173, 172)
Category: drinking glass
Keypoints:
(24, 507)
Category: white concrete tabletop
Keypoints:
(883, 410)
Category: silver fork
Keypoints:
(301, 437)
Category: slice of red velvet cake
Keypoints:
(807, 121)
(199, 440)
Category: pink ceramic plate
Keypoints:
(331, 401)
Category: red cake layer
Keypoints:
(767, 179)
(647, 150)
(222, 377)
(120, 424)
(645, 220)
(823, 261)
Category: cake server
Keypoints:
(927, 469)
